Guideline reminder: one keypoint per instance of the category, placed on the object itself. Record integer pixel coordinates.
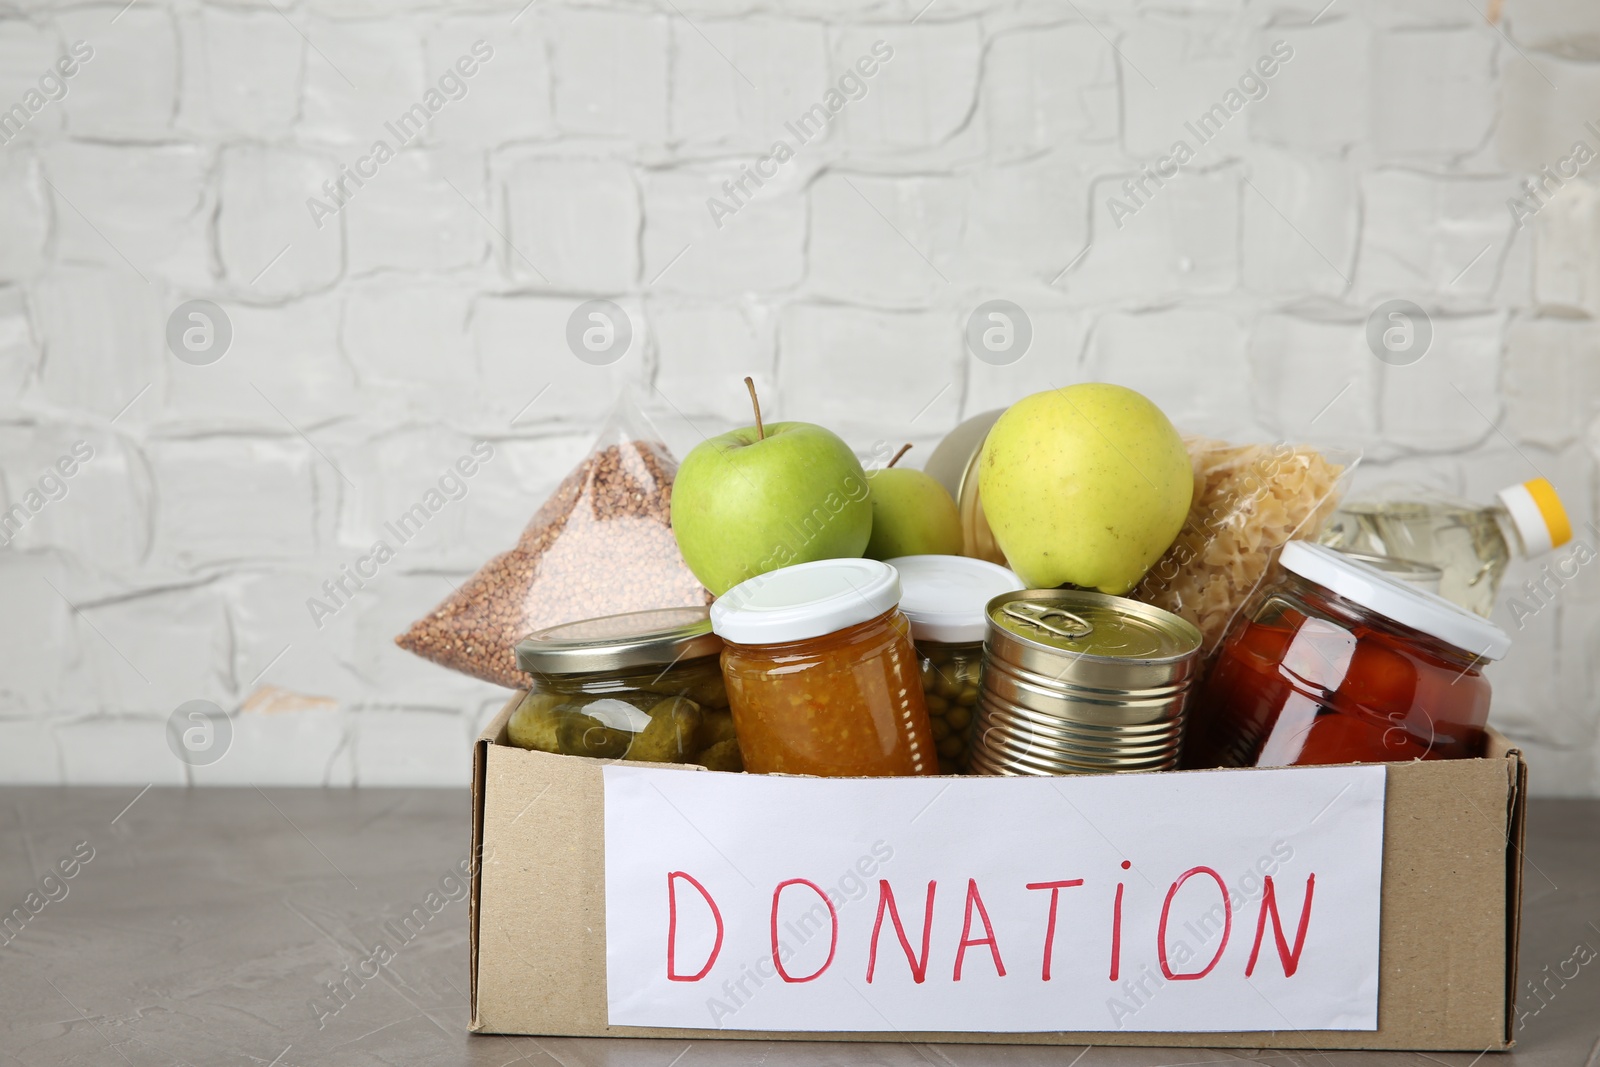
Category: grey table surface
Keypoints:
(204, 927)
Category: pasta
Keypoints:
(1249, 500)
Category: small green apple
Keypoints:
(768, 496)
(1087, 485)
(912, 514)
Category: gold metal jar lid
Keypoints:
(636, 639)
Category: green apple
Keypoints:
(912, 514)
(767, 496)
(1087, 485)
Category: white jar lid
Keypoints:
(804, 601)
(1406, 604)
(945, 597)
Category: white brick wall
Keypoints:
(430, 308)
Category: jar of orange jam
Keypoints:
(821, 674)
(1338, 662)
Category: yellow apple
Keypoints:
(1087, 485)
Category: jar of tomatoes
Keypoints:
(1337, 662)
(821, 675)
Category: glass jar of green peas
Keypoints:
(944, 597)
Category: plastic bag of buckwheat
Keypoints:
(602, 544)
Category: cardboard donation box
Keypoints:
(1362, 906)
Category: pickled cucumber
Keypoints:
(669, 738)
(534, 724)
(715, 728)
(584, 735)
(705, 688)
(722, 756)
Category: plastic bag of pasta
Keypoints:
(1249, 500)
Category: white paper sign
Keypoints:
(994, 904)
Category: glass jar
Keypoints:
(945, 597)
(954, 464)
(644, 686)
(950, 678)
(821, 674)
(1337, 662)
(1422, 575)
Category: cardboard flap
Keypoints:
(493, 734)
(1516, 837)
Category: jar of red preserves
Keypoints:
(1337, 662)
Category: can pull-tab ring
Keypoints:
(1039, 615)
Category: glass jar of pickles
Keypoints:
(645, 686)
(944, 598)
(821, 674)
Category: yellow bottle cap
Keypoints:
(1537, 512)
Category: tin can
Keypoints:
(1078, 682)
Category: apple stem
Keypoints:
(903, 450)
(761, 431)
